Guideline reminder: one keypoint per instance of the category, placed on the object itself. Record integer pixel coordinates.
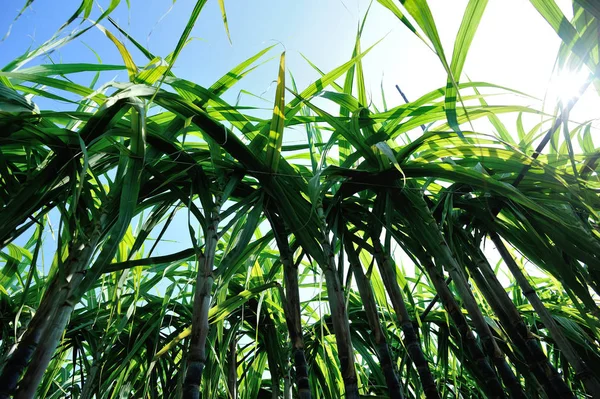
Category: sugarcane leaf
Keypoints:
(276, 129)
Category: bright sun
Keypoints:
(565, 85)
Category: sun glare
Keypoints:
(565, 85)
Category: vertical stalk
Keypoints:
(532, 361)
(202, 298)
(55, 316)
(518, 330)
(581, 369)
(69, 291)
(339, 314)
(25, 348)
(487, 338)
(491, 384)
(291, 307)
(271, 342)
(232, 368)
(388, 275)
(427, 232)
(301, 369)
(368, 299)
(70, 284)
(90, 382)
(45, 350)
(287, 385)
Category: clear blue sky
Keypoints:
(519, 53)
(321, 30)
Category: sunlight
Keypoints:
(565, 85)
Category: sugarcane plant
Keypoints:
(359, 261)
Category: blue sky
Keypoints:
(322, 30)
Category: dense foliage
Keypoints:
(299, 281)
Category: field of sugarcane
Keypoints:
(433, 248)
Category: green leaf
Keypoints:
(235, 74)
(561, 25)
(187, 30)
(278, 121)
(465, 36)
(294, 106)
(224, 15)
(391, 5)
(131, 67)
(220, 312)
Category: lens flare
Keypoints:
(565, 86)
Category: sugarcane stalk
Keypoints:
(491, 383)
(202, 298)
(45, 350)
(25, 348)
(232, 368)
(581, 369)
(339, 314)
(292, 305)
(426, 230)
(533, 361)
(269, 335)
(368, 299)
(54, 315)
(287, 385)
(68, 282)
(388, 275)
(487, 338)
(515, 326)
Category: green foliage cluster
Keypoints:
(296, 284)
